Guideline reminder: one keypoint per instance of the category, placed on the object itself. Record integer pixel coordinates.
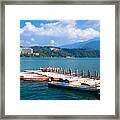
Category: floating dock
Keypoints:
(62, 79)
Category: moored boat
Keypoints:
(36, 79)
(74, 86)
(33, 77)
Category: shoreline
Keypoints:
(59, 57)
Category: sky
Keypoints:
(57, 32)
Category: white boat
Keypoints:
(74, 86)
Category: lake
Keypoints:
(30, 90)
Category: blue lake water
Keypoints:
(39, 90)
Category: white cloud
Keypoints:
(65, 29)
(95, 24)
(30, 27)
(52, 42)
(88, 33)
(32, 39)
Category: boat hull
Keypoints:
(81, 88)
(35, 79)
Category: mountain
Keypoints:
(91, 44)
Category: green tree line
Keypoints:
(62, 52)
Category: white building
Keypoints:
(37, 54)
(54, 49)
(26, 51)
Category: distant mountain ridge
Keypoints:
(91, 44)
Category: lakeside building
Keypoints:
(26, 50)
(37, 54)
(54, 49)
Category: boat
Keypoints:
(33, 77)
(74, 86)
